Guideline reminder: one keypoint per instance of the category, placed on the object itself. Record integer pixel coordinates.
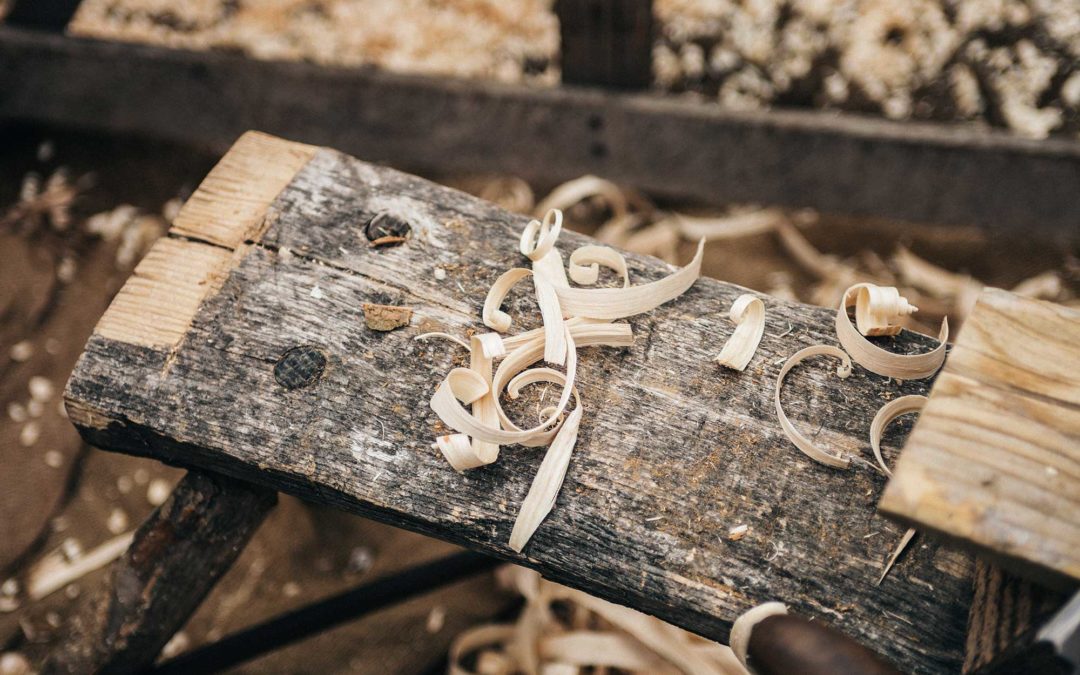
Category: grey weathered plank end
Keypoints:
(673, 452)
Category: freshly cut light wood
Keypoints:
(156, 305)
(994, 461)
(676, 449)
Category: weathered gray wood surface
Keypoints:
(664, 145)
(672, 453)
(176, 557)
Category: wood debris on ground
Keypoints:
(564, 630)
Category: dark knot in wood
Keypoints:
(385, 225)
(299, 367)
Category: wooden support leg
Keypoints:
(1006, 612)
(177, 556)
(606, 42)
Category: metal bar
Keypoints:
(663, 145)
(48, 15)
(296, 625)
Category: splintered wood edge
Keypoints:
(157, 304)
(1009, 373)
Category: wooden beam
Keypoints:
(606, 42)
(663, 145)
(176, 557)
(994, 461)
(283, 385)
(47, 15)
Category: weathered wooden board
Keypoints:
(994, 461)
(664, 145)
(673, 450)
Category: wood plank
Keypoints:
(667, 146)
(674, 450)
(994, 461)
(606, 42)
(176, 557)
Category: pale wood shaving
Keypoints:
(597, 634)
(571, 317)
(878, 360)
(885, 415)
(580, 189)
(55, 570)
(744, 626)
(794, 435)
(904, 541)
(748, 313)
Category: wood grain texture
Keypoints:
(664, 145)
(1006, 612)
(156, 306)
(673, 452)
(176, 557)
(994, 461)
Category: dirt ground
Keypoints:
(59, 494)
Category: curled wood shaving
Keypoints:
(580, 189)
(591, 633)
(748, 313)
(802, 442)
(885, 415)
(874, 358)
(585, 262)
(744, 626)
(730, 226)
(572, 318)
(878, 307)
(619, 303)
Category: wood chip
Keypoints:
(55, 571)
(386, 317)
(388, 240)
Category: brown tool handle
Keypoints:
(784, 644)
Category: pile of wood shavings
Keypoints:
(561, 630)
(627, 220)
(572, 317)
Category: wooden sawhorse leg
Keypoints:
(176, 557)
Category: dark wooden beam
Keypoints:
(667, 146)
(606, 42)
(1006, 613)
(48, 15)
(218, 354)
(176, 557)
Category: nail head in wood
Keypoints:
(386, 226)
(299, 367)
